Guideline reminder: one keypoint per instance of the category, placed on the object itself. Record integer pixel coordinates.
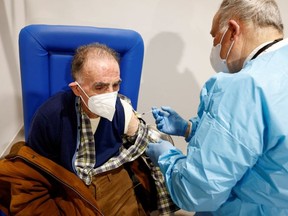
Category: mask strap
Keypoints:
(84, 93)
(81, 89)
(229, 50)
(223, 36)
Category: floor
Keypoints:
(19, 137)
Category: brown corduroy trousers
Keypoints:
(115, 194)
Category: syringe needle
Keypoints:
(144, 113)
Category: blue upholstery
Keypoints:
(45, 57)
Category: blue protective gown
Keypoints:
(237, 158)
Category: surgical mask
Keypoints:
(102, 105)
(219, 64)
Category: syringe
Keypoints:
(144, 113)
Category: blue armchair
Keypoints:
(45, 57)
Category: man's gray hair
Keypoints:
(262, 13)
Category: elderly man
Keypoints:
(236, 162)
(85, 150)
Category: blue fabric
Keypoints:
(108, 136)
(153, 150)
(236, 161)
(53, 131)
(46, 52)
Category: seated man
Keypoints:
(83, 131)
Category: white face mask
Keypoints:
(219, 64)
(102, 105)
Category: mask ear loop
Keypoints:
(223, 37)
(81, 89)
(84, 93)
(229, 50)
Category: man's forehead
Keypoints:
(113, 81)
(101, 65)
(95, 77)
(96, 60)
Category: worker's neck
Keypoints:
(254, 38)
(263, 35)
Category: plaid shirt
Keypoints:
(86, 154)
(86, 159)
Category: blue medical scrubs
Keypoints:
(237, 157)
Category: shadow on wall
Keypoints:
(167, 84)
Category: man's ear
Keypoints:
(234, 27)
(74, 87)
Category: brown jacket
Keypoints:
(30, 184)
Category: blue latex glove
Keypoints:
(154, 150)
(169, 122)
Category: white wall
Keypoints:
(11, 120)
(175, 33)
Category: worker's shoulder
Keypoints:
(221, 82)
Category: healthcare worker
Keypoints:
(237, 153)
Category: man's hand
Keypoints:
(170, 122)
(154, 150)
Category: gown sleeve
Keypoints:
(225, 143)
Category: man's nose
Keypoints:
(109, 89)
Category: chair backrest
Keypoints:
(46, 51)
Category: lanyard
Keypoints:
(266, 47)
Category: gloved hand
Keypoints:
(154, 150)
(169, 122)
